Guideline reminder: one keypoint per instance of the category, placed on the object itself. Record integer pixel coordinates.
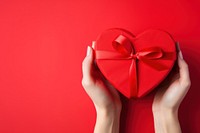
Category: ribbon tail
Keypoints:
(133, 83)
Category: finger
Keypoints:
(95, 65)
(183, 69)
(87, 65)
(93, 44)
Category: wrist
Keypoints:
(164, 110)
(113, 109)
(107, 120)
(110, 112)
(166, 121)
(165, 115)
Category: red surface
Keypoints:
(43, 43)
(132, 76)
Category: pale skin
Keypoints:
(108, 104)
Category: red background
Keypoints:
(43, 43)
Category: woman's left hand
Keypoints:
(168, 99)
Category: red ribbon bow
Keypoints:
(125, 51)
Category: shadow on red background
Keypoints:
(43, 43)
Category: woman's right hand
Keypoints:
(105, 98)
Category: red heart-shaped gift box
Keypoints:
(135, 65)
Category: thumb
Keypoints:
(183, 69)
(87, 65)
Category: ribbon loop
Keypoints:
(122, 45)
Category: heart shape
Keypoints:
(135, 65)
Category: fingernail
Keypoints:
(180, 54)
(93, 44)
(88, 50)
(177, 46)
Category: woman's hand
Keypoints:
(105, 98)
(168, 99)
